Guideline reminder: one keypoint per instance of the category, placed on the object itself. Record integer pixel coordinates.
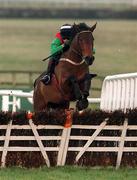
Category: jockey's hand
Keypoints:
(65, 47)
(66, 41)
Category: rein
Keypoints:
(72, 62)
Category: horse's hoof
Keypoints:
(82, 104)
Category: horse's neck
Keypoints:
(72, 55)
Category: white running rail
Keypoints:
(19, 93)
(15, 102)
(119, 92)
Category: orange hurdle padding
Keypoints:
(69, 113)
(29, 115)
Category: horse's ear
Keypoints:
(76, 28)
(93, 27)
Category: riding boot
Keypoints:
(46, 79)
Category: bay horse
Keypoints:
(70, 81)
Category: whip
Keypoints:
(50, 56)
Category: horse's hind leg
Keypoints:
(38, 102)
(82, 103)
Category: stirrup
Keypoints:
(46, 79)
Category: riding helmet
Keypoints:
(65, 31)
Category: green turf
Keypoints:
(68, 173)
(25, 42)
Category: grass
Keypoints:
(67, 172)
(25, 42)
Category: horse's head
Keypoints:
(83, 42)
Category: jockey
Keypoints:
(60, 44)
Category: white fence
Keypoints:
(16, 94)
(15, 102)
(118, 92)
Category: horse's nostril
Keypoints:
(89, 60)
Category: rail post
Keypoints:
(65, 138)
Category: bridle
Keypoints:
(77, 52)
(78, 34)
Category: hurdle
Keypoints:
(119, 92)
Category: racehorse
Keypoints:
(71, 80)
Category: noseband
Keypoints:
(72, 62)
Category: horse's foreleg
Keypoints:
(86, 87)
(82, 103)
(87, 84)
(75, 86)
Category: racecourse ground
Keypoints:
(24, 43)
(69, 173)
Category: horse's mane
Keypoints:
(76, 28)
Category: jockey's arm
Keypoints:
(56, 46)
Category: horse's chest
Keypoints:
(64, 71)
